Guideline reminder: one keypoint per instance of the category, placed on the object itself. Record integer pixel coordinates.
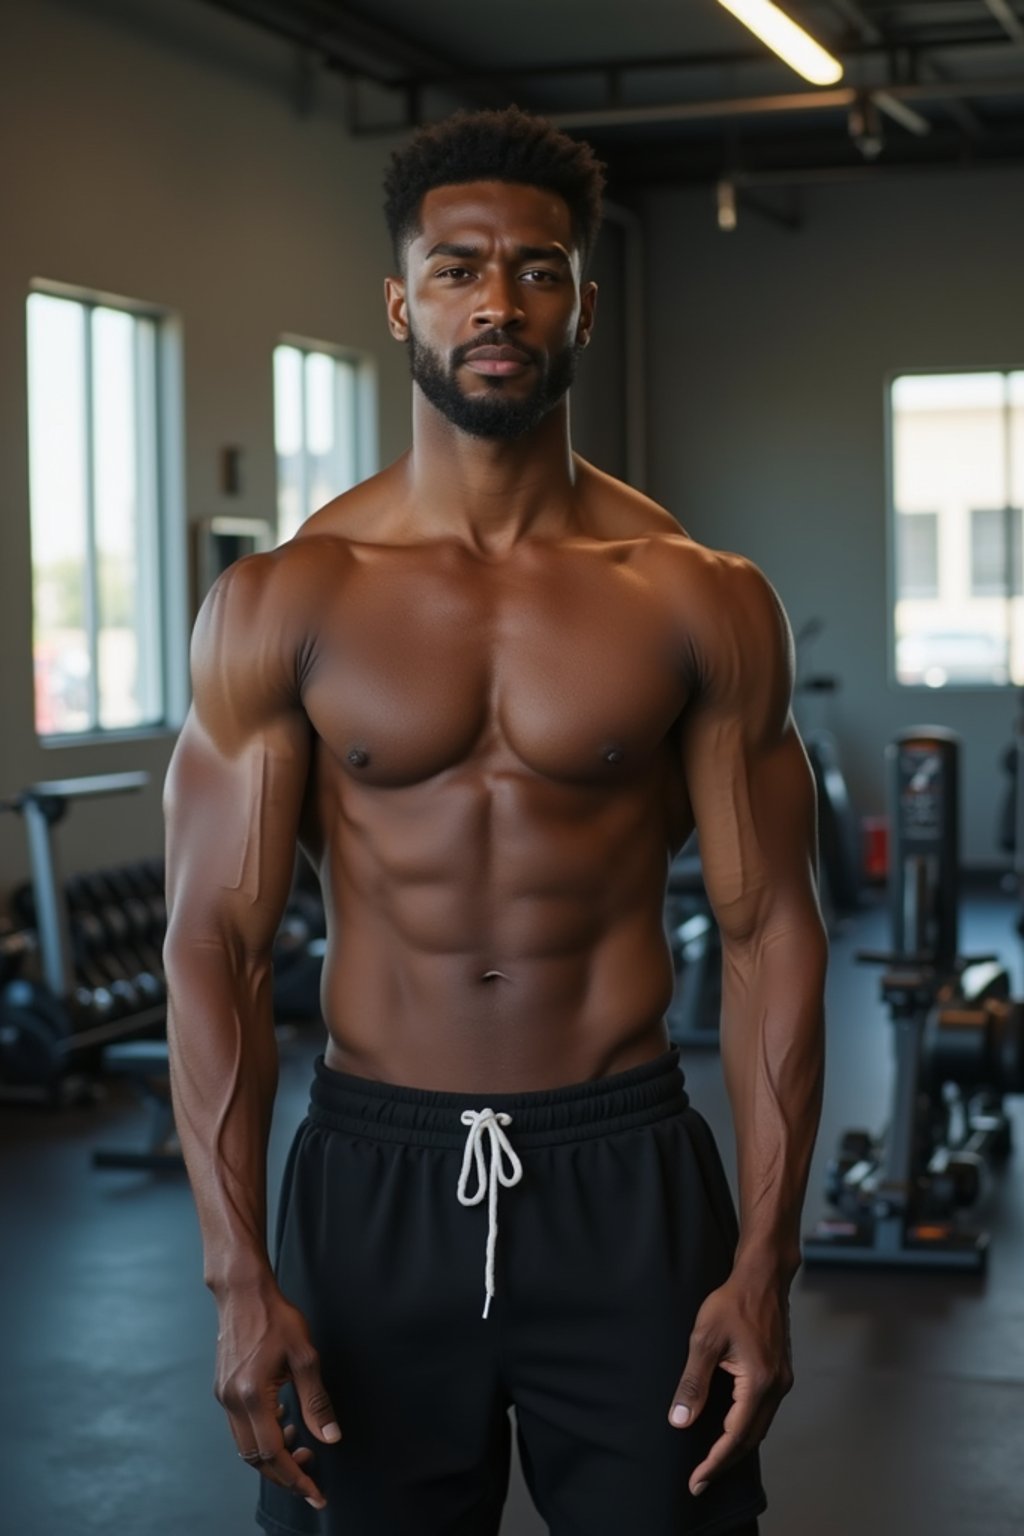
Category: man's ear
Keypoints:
(394, 298)
(588, 309)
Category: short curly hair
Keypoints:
(509, 145)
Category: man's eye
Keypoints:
(542, 273)
(454, 272)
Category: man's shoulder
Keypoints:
(624, 513)
(354, 517)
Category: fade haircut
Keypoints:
(510, 145)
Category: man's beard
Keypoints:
(492, 414)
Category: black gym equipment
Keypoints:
(903, 1199)
(98, 992)
(839, 839)
(696, 946)
(54, 1026)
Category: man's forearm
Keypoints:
(223, 1061)
(773, 1055)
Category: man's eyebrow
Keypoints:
(523, 253)
(543, 253)
(446, 248)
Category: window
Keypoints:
(94, 382)
(918, 555)
(956, 495)
(322, 405)
(995, 552)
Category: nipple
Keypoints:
(358, 758)
(614, 755)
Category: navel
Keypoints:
(494, 976)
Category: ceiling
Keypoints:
(678, 90)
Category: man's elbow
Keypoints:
(790, 932)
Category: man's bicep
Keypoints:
(755, 811)
(235, 786)
(747, 774)
(231, 826)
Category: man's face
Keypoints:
(491, 305)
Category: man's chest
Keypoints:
(569, 664)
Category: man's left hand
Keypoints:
(742, 1328)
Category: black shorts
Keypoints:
(601, 1253)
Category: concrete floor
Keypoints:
(906, 1416)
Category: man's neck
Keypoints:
(487, 493)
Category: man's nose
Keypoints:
(498, 303)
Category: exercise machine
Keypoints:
(60, 1020)
(840, 862)
(904, 1198)
(694, 939)
(95, 1003)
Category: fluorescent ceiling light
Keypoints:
(788, 40)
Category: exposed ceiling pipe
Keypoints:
(352, 44)
(799, 101)
(1007, 19)
(826, 175)
(859, 20)
(900, 113)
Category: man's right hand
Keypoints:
(262, 1342)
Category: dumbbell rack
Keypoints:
(42, 805)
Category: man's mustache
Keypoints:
(493, 339)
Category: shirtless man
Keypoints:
(490, 692)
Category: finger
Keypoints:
(691, 1393)
(304, 1452)
(735, 1441)
(276, 1461)
(314, 1404)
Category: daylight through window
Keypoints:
(95, 516)
(957, 494)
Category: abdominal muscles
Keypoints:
(497, 930)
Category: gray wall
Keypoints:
(151, 151)
(768, 355)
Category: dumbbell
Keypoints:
(146, 877)
(139, 919)
(93, 963)
(122, 948)
(107, 928)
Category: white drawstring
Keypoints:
(479, 1122)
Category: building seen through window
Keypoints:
(957, 493)
(95, 516)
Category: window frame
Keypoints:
(366, 395)
(890, 378)
(165, 442)
(1017, 531)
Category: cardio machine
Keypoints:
(905, 1197)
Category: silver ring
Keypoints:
(251, 1457)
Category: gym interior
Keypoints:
(810, 349)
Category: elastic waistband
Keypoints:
(424, 1117)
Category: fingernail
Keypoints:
(317, 1503)
(699, 1489)
(680, 1414)
(331, 1432)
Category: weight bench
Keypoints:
(145, 1064)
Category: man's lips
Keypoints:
(497, 361)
